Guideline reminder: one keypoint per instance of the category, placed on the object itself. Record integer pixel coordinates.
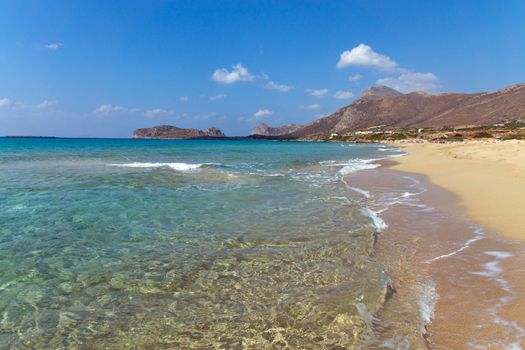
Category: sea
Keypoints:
(193, 244)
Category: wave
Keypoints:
(365, 193)
(428, 298)
(174, 166)
(478, 235)
(379, 223)
(352, 166)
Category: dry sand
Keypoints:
(487, 177)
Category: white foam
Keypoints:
(379, 223)
(365, 193)
(174, 166)
(467, 244)
(353, 165)
(427, 303)
(358, 164)
(514, 333)
(493, 269)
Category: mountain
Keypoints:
(265, 130)
(379, 92)
(383, 108)
(172, 132)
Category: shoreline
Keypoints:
(487, 177)
(461, 281)
(478, 278)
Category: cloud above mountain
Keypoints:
(238, 73)
(408, 82)
(343, 95)
(401, 79)
(316, 92)
(261, 113)
(364, 56)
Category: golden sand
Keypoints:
(487, 177)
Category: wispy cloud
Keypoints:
(217, 97)
(236, 74)
(4, 102)
(408, 82)
(38, 107)
(157, 112)
(312, 107)
(108, 109)
(45, 104)
(316, 92)
(343, 95)
(271, 85)
(184, 99)
(355, 77)
(363, 55)
(53, 46)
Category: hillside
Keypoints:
(382, 108)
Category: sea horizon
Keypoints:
(372, 198)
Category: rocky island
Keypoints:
(173, 132)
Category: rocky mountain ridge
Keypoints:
(265, 130)
(383, 108)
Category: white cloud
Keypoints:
(45, 104)
(316, 92)
(156, 112)
(264, 76)
(184, 99)
(278, 87)
(408, 82)
(261, 113)
(238, 73)
(108, 109)
(355, 77)
(53, 46)
(217, 97)
(4, 102)
(363, 55)
(343, 95)
(312, 107)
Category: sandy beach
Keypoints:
(487, 182)
(488, 178)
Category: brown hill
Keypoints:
(382, 108)
(265, 130)
(172, 132)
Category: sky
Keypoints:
(104, 68)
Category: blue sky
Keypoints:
(104, 68)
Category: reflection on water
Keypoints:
(264, 248)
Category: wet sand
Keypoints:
(461, 280)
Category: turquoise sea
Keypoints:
(164, 244)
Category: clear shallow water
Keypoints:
(185, 244)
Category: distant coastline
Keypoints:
(28, 137)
